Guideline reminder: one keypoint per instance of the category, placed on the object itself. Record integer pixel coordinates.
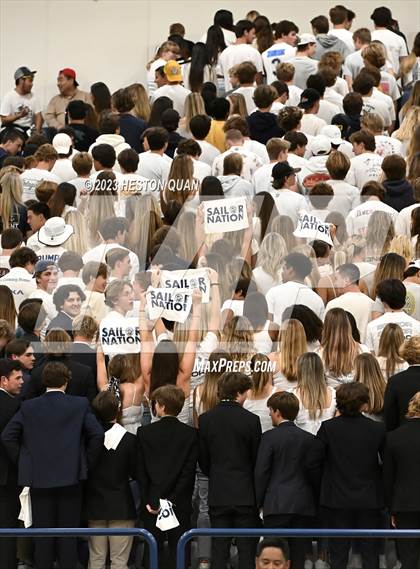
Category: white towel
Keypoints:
(25, 514)
(113, 436)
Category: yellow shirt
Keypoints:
(216, 135)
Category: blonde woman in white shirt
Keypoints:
(269, 262)
(316, 398)
(390, 361)
(262, 389)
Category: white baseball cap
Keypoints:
(320, 145)
(62, 143)
(333, 133)
(304, 39)
(55, 232)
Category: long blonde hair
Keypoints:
(239, 338)
(79, 241)
(391, 266)
(368, 372)
(411, 120)
(260, 379)
(339, 349)
(271, 254)
(180, 182)
(209, 395)
(292, 345)
(312, 384)
(379, 234)
(401, 244)
(237, 105)
(354, 246)
(413, 100)
(142, 212)
(390, 341)
(100, 204)
(186, 221)
(194, 105)
(11, 195)
(141, 101)
(7, 306)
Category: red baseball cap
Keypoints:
(68, 72)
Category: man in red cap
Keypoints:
(68, 87)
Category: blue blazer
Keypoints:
(54, 438)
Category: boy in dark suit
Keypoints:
(288, 473)
(109, 501)
(351, 487)
(55, 439)
(11, 381)
(167, 453)
(229, 439)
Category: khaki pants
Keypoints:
(119, 546)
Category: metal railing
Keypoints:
(80, 532)
(286, 533)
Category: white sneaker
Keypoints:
(308, 564)
(204, 565)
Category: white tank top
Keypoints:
(262, 340)
(259, 407)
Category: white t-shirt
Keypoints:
(289, 202)
(353, 64)
(409, 325)
(327, 110)
(364, 167)
(235, 54)
(47, 253)
(264, 281)
(358, 304)
(262, 178)
(251, 162)
(344, 35)
(304, 67)
(13, 103)
(389, 85)
(385, 145)
(387, 99)
(248, 93)
(288, 294)
(30, 180)
(47, 302)
(257, 148)
(63, 169)
(99, 253)
(346, 197)
(403, 223)
(341, 86)
(358, 219)
(208, 152)
(177, 93)
(155, 167)
(294, 96)
(201, 169)
(311, 124)
(20, 282)
(332, 96)
(375, 105)
(412, 300)
(395, 46)
(274, 55)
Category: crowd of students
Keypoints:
(210, 294)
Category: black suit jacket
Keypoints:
(288, 471)
(352, 477)
(107, 493)
(229, 439)
(85, 355)
(399, 390)
(62, 321)
(55, 438)
(82, 382)
(8, 407)
(402, 468)
(167, 453)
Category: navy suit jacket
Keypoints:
(54, 438)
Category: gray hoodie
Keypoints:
(236, 187)
(326, 43)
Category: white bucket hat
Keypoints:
(55, 232)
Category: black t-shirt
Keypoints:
(85, 136)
